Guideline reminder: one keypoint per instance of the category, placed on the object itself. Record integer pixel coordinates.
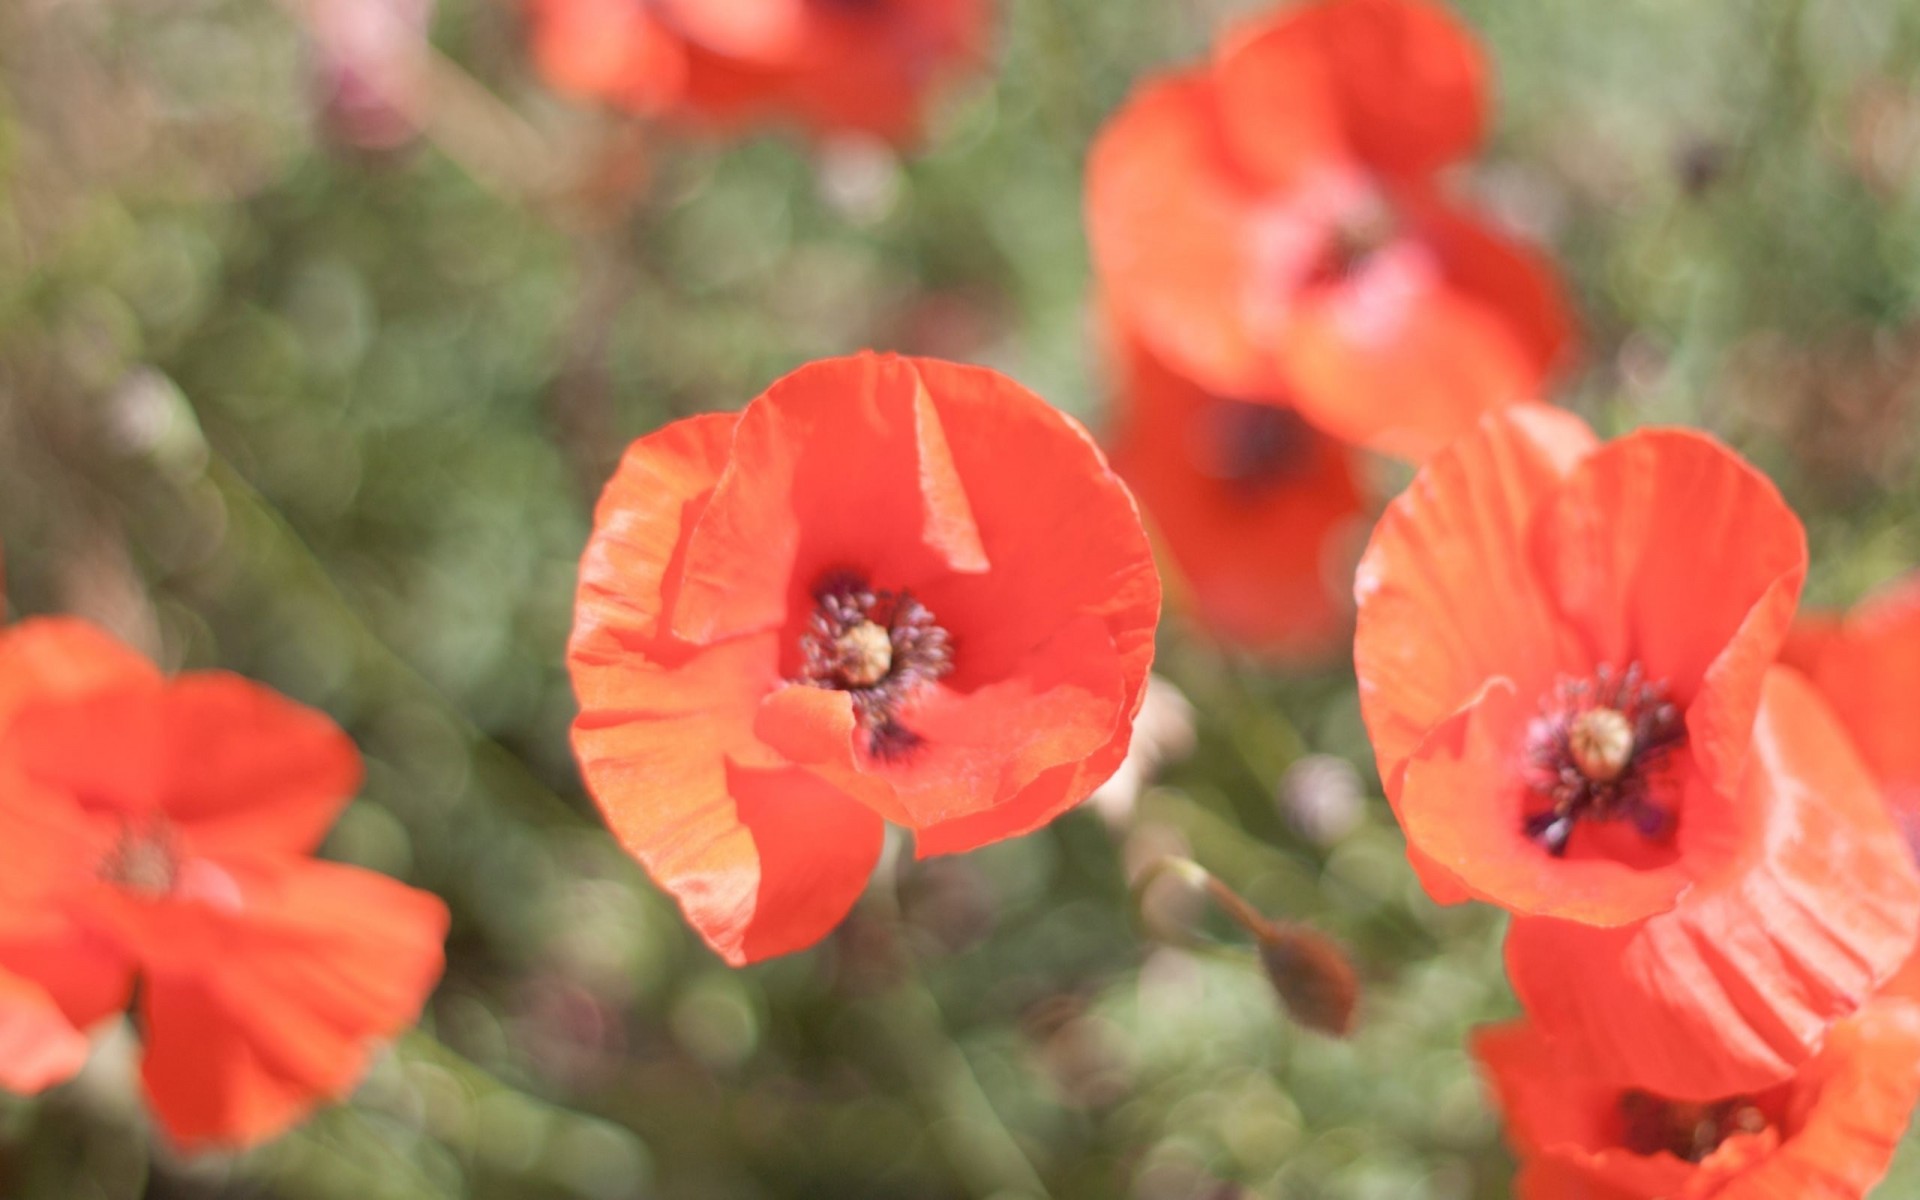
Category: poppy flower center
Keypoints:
(144, 860)
(881, 647)
(1249, 445)
(1686, 1131)
(1362, 229)
(1592, 752)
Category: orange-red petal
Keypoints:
(1398, 358)
(841, 465)
(254, 1014)
(46, 659)
(247, 769)
(1867, 665)
(1409, 79)
(1173, 224)
(39, 1046)
(665, 732)
(1265, 561)
(1736, 987)
(1626, 549)
(1448, 598)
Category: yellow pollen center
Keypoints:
(865, 654)
(1601, 741)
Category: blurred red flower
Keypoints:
(1259, 512)
(1826, 1134)
(890, 588)
(1737, 986)
(1270, 225)
(167, 826)
(1560, 648)
(855, 65)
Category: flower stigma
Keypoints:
(144, 860)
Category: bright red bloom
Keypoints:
(1560, 649)
(1737, 987)
(890, 588)
(1826, 1134)
(862, 65)
(169, 824)
(1270, 226)
(1259, 512)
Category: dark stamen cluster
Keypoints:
(1366, 229)
(1592, 751)
(1686, 1131)
(881, 647)
(1251, 445)
(144, 859)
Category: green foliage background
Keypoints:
(335, 420)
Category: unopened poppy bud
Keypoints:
(1601, 742)
(1311, 973)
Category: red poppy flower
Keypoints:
(171, 823)
(890, 588)
(862, 65)
(1826, 1134)
(1737, 986)
(1269, 225)
(1258, 511)
(1560, 649)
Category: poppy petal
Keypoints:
(1506, 277)
(817, 849)
(1478, 606)
(658, 724)
(609, 49)
(63, 658)
(268, 1008)
(1264, 548)
(1737, 986)
(838, 458)
(1173, 224)
(1278, 103)
(248, 769)
(1409, 78)
(981, 747)
(39, 1046)
(1621, 545)
(1397, 358)
(1866, 665)
(750, 29)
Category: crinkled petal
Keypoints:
(1448, 598)
(1867, 665)
(842, 465)
(1736, 987)
(1665, 549)
(665, 733)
